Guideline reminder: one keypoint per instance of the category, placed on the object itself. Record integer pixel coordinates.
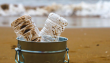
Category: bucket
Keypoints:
(41, 52)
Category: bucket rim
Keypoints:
(66, 39)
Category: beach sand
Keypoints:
(86, 45)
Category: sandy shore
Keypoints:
(87, 45)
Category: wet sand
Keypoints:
(73, 22)
(86, 45)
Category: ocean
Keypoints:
(47, 2)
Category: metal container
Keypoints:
(41, 52)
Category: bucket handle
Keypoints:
(67, 50)
(18, 51)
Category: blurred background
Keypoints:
(79, 13)
(88, 30)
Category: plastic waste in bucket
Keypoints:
(41, 52)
